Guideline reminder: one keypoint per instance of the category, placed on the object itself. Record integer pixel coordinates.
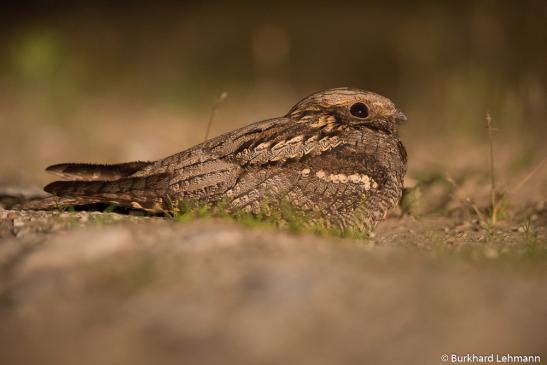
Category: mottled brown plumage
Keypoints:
(336, 156)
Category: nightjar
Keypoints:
(335, 156)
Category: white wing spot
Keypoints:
(355, 178)
(367, 182)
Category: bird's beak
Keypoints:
(400, 117)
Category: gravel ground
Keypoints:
(106, 288)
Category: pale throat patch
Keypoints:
(365, 180)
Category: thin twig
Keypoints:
(216, 104)
(492, 172)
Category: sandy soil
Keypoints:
(105, 288)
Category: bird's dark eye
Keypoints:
(359, 110)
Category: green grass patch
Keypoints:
(276, 215)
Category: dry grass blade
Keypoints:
(216, 104)
(493, 202)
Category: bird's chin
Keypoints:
(379, 126)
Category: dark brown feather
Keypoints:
(138, 192)
(89, 172)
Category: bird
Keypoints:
(336, 156)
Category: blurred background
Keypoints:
(114, 81)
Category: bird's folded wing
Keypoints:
(267, 142)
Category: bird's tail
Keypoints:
(92, 172)
(147, 192)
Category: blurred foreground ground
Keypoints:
(144, 290)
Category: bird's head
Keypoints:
(354, 107)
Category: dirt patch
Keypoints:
(96, 287)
